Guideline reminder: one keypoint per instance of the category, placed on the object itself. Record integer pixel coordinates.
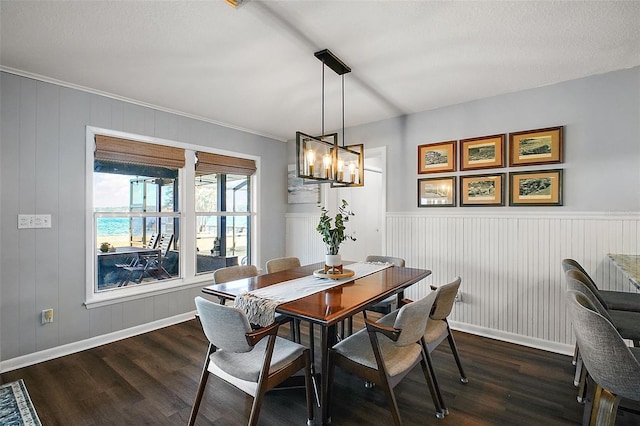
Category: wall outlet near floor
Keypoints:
(47, 316)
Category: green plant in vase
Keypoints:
(333, 234)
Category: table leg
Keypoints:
(328, 340)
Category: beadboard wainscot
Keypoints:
(512, 281)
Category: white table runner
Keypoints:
(260, 305)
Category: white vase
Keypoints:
(333, 260)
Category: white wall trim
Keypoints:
(525, 214)
(71, 348)
(132, 101)
(511, 214)
(532, 342)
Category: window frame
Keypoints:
(187, 214)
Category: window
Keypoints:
(223, 213)
(145, 197)
(223, 221)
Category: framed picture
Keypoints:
(437, 192)
(482, 190)
(536, 188)
(437, 157)
(542, 146)
(486, 152)
(297, 191)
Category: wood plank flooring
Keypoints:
(152, 378)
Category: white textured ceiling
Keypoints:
(253, 67)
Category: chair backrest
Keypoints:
(153, 241)
(282, 264)
(570, 264)
(397, 261)
(165, 244)
(578, 281)
(605, 354)
(231, 273)
(224, 326)
(446, 297)
(412, 319)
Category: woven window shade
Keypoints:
(215, 163)
(133, 152)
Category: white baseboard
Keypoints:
(48, 354)
(58, 351)
(532, 342)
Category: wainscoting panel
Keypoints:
(512, 280)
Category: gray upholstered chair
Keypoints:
(231, 273)
(389, 304)
(384, 355)
(613, 366)
(626, 322)
(612, 300)
(253, 361)
(438, 327)
(282, 264)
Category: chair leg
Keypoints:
(578, 373)
(582, 388)
(201, 386)
(432, 383)
(307, 386)
(605, 407)
(454, 349)
(391, 398)
(574, 361)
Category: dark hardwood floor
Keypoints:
(152, 378)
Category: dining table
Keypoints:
(328, 307)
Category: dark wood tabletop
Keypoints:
(330, 306)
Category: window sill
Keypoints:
(135, 292)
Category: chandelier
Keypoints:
(320, 159)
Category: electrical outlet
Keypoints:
(25, 221)
(458, 297)
(47, 316)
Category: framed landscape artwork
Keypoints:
(486, 152)
(437, 192)
(297, 191)
(437, 157)
(542, 146)
(482, 190)
(536, 188)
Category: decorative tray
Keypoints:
(346, 273)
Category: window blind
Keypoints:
(215, 163)
(113, 149)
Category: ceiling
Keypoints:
(253, 67)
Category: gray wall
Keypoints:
(43, 171)
(601, 115)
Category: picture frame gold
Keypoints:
(437, 157)
(536, 188)
(437, 192)
(486, 152)
(533, 147)
(482, 190)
